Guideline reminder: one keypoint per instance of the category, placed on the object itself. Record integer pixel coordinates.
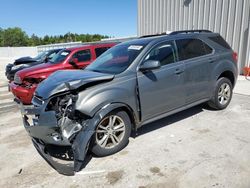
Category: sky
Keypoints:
(115, 18)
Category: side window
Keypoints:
(191, 48)
(219, 40)
(165, 53)
(100, 51)
(52, 55)
(83, 55)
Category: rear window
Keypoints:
(219, 40)
(100, 51)
(191, 48)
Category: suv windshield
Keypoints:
(60, 56)
(116, 60)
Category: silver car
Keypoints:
(131, 84)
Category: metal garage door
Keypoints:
(228, 17)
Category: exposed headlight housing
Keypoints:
(17, 79)
(69, 120)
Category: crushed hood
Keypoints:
(65, 80)
(24, 60)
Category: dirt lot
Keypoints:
(195, 148)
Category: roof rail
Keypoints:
(154, 35)
(190, 31)
(177, 32)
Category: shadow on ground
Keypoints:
(172, 119)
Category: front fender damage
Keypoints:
(79, 146)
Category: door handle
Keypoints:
(178, 71)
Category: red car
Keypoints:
(26, 80)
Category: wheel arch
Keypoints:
(106, 109)
(225, 68)
(229, 75)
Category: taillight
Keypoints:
(235, 57)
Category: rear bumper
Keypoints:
(22, 93)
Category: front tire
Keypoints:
(112, 134)
(223, 94)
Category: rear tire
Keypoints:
(112, 134)
(222, 95)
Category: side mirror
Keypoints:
(73, 61)
(150, 65)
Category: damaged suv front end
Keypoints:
(75, 109)
(52, 120)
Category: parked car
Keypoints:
(26, 81)
(130, 85)
(26, 62)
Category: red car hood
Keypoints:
(37, 69)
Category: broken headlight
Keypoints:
(17, 79)
(69, 120)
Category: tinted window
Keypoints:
(83, 55)
(219, 40)
(191, 48)
(99, 51)
(164, 53)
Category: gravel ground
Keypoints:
(195, 148)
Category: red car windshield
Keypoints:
(60, 56)
(116, 59)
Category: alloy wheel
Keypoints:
(224, 93)
(110, 131)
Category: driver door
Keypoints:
(161, 90)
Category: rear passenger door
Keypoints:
(161, 90)
(196, 57)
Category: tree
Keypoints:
(34, 40)
(88, 38)
(1, 36)
(14, 37)
(17, 37)
(46, 40)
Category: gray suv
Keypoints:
(132, 84)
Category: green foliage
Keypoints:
(17, 37)
(1, 36)
(14, 37)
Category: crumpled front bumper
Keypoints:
(44, 130)
(62, 169)
(21, 93)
